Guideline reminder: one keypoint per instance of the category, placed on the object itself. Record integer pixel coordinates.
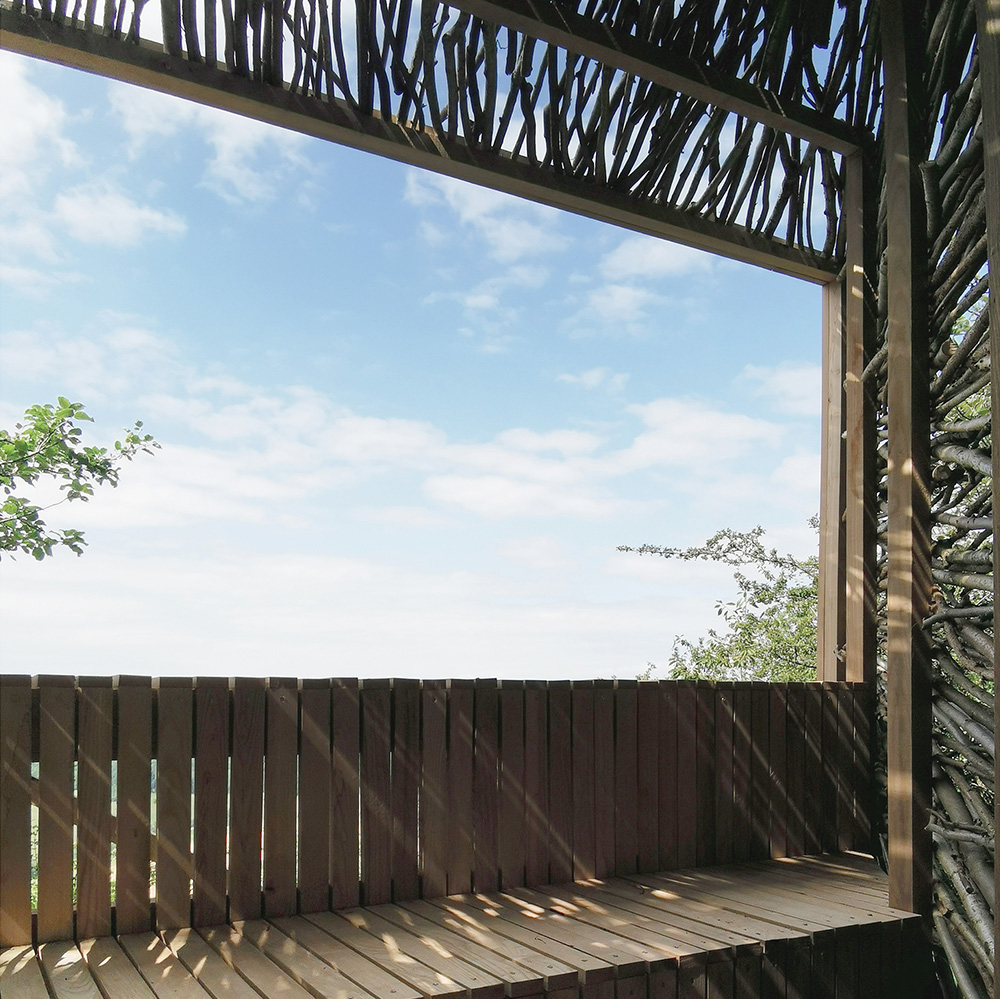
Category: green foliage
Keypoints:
(770, 631)
(48, 445)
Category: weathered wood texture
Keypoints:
(808, 928)
(609, 779)
(722, 126)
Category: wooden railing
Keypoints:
(192, 802)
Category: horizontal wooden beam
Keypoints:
(146, 64)
(555, 23)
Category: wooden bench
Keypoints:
(382, 839)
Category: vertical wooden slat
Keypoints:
(134, 852)
(174, 705)
(648, 763)
(376, 807)
(705, 773)
(795, 760)
(460, 853)
(405, 786)
(777, 744)
(246, 798)
(211, 787)
(742, 768)
(15, 810)
(845, 768)
(760, 847)
(667, 774)
(56, 755)
(832, 609)
(485, 798)
(863, 782)
(280, 772)
(860, 499)
(908, 690)
(584, 842)
(315, 772)
(93, 855)
(724, 773)
(536, 784)
(814, 766)
(687, 765)
(626, 778)
(604, 778)
(829, 758)
(560, 782)
(511, 831)
(344, 792)
(434, 789)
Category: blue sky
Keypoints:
(405, 421)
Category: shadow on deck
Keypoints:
(818, 926)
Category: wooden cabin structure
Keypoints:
(399, 839)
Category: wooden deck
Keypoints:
(779, 928)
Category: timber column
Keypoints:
(908, 678)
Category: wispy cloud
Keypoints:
(792, 388)
(596, 378)
(98, 213)
(646, 257)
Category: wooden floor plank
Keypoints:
(518, 980)
(66, 972)
(163, 973)
(488, 915)
(480, 984)
(21, 975)
(554, 975)
(111, 968)
(308, 970)
(392, 959)
(264, 975)
(348, 962)
(213, 974)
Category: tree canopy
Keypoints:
(48, 445)
(770, 628)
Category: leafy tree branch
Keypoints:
(48, 445)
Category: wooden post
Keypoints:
(860, 527)
(988, 42)
(832, 606)
(908, 660)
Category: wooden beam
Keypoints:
(147, 64)
(908, 659)
(831, 616)
(673, 69)
(988, 43)
(861, 521)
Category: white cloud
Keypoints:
(792, 388)
(565, 441)
(500, 496)
(510, 228)
(98, 213)
(646, 257)
(32, 125)
(596, 377)
(545, 554)
(250, 162)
